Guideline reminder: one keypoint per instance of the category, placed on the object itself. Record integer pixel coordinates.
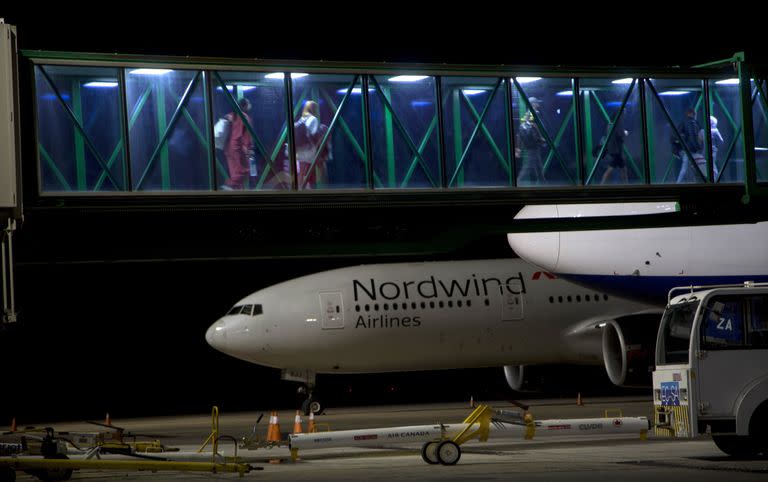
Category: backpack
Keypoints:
(221, 132)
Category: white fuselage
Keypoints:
(643, 264)
(420, 316)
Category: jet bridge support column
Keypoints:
(6, 267)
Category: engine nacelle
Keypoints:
(553, 378)
(628, 349)
(515, 375)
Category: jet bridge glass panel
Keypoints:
(477, 132)
(545, 135)
(760, 126)
(404, 131)
(612, 122)
(79, 132)
(168, 130)
(330, 139)
(676, 110)
(252, 151)
(724, 128)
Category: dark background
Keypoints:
(106, 333)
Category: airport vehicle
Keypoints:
(643, 264)
(427, 316)
(712, 366)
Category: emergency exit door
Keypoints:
(332, 311)
(512, 306)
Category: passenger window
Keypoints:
(723, 324)
(758, 328)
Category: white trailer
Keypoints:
(712, 367)
(440, 442)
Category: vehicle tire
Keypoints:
(758, 428)
(429, 453)
(448, 452)
(7, 474)
(740, 446)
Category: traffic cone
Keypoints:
(107, 420)
(273, 432)
(311, 428)
(471, 402)
(579, 402)
(297, 423)
(13, 424)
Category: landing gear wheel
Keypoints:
(448, 452)
(429, 453)
(7, 474)
(310, 405)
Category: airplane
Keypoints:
(643, 264)
(433, 315)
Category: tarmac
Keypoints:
(590, 458)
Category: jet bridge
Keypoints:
(10, 172)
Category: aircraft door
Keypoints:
(512, 306)
(332, 311)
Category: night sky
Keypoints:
(128, 338)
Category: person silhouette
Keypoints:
(530, 146)
(238, 147)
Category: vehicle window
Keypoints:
(257, 310)
(757, 335)
(247, 310)
(677, 323)
(235, 310)
(723, 323)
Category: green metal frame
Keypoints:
(393, 118)
(473, 136)
(543, 131)
(161, 149)
(613, 122)
(676, 133)
(269, 157)
(581, 113)
(80, 139)
(324, 141)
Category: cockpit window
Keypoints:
(250, 310)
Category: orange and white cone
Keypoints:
(107, 420)
(579, 401)
(273, 432)
(297, 423)
(472, 402)
(13, 424)
(311, 428)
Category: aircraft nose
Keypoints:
(541, 249)
(216, 336)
